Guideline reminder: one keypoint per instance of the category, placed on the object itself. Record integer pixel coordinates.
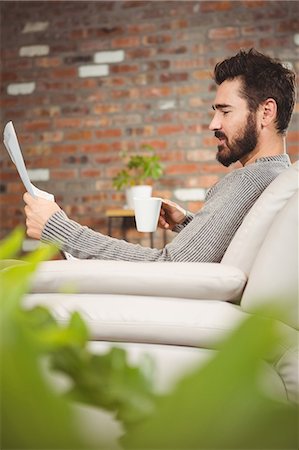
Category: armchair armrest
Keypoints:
(207, 281)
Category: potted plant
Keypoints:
(138, 174)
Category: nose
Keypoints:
(215, 122)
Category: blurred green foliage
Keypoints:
(33, 415)
(218, 406)
(221, 405)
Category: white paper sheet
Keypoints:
(12, 145)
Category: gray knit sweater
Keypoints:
(203, 237)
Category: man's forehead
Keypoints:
(228, 94)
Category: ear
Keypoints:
(268, 112)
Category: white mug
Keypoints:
(147, 212)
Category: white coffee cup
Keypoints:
(147, 212)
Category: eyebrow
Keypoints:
(221, 106)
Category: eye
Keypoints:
(225, 112)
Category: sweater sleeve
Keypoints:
(84, 243)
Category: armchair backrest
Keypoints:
(266, 248)
(273, 278)
(247, 241)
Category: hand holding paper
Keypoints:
(38, 211)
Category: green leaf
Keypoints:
(108, 381)
(49, 335)
(43, 253)
(14, 282)
(12, 245)
(121, 180)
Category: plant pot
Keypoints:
(137, 191)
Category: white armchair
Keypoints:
(179, 312)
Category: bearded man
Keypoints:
(253, 106)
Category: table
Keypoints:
(127, 220)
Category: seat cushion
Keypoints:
(135, 318)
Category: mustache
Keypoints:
(219, 135)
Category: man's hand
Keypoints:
(38, 211)
(171, 215)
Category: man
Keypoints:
(253, 106)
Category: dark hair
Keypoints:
(262, 77)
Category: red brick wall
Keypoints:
(74, 127)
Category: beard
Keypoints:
(241, 145)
